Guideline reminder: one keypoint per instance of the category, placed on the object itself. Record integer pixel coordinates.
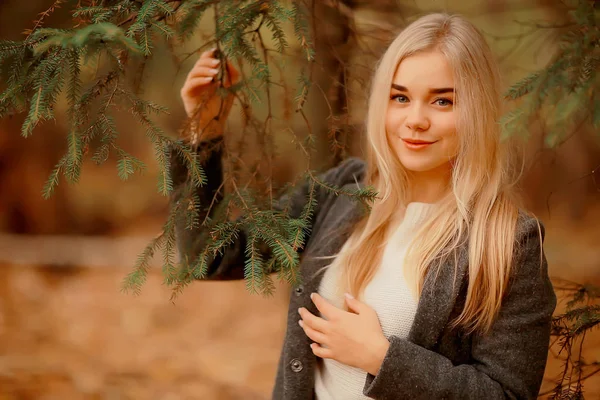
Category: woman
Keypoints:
(446, 281)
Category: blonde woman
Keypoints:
(442, 290)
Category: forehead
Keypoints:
(424, 70)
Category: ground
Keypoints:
(71, 333)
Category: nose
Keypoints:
(416, 119)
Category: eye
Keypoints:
(403, 98)
(443, 102)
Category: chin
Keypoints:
(417, 167)
(418, 164)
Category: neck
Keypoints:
(429, 186)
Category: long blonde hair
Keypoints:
(481, 206)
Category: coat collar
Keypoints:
(438, 296)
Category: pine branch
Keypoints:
(135, 279)
(562, 89)
(51, 59)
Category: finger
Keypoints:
(313, 334)
(208, 53)
(354, 304)
(207, 62)
(326, 308)
(320, 351)
(202, 71)
(208, 59)
(195, 83)
(313, 321)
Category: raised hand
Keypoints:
(207, 109)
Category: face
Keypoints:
(421, 110)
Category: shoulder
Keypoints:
(528, 228)
(350, 170)
(530, 289)
(529, 246)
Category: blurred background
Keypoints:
(66, 329)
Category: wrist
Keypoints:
(196, 135)
(381, 349)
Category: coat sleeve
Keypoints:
(230, 264)
(507, 363)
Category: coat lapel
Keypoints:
(437, 301)
(334, 240)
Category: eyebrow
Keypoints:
(433, 91)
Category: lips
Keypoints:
(416, 144)
(417, 141)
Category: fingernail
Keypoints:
(216, 61)
(214, 71)
(312, 296)
(348, 295)
(301, 323)
(299, 310)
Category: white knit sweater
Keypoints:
(387, 294)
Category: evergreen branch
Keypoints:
(201, 266)
(163, 28)
(44, 14)
(582, 319)
(192, 213)
(192, 163)
(523, 87)
(189, 15)
(52, 180)
(253, 266)
(302, 225)
(135, 279)
(74, 156)
(224, 234)
(106, 127)
(165, 182)
(299, 15)
(141, 109)
(168, 250)
(278, 14)
(47, 81)
(74, 87)
(34, 113)
(103, 33)
(128, 164)
(50, 57)
(91, 11)
(367, 194)
(562, 88)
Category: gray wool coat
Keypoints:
(433, 362)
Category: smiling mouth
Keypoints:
(416, 141)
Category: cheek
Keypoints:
(392, 121)
(447, 131)
(445, 125)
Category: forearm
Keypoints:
(188, 197)
(411, 371)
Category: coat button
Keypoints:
(299, 290)
(296, 365)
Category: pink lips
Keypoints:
(416, 144)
